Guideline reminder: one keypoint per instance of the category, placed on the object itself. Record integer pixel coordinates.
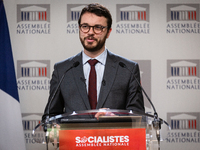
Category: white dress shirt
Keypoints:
(99, 67)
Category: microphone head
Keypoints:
(76, 64)
(122, 64)
(82, 79)
(103, 82)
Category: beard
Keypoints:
(89, 46)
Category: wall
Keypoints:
(165, 43)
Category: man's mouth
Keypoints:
(90, 39)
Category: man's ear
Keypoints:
(108, 34)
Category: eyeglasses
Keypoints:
(97, 28)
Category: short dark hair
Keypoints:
(98, 10)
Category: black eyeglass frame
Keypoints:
(93, 27)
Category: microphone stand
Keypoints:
(47, 136)
(75, 64)
(156, 123)
(157, 126)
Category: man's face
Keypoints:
(91, 41)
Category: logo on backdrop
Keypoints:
(185, 127)
(183, 19)
(73, 14)
(30, 121)
(183, 75)
(145, 76)
(33, 74)
(132, 19)
(33, 19)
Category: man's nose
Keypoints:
(91, 30)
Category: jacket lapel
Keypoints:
(80, 80)
(109, 76)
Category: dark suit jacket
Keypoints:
(119, 91)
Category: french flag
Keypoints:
(11, 129)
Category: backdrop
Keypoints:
(161, 35)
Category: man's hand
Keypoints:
(103, 112)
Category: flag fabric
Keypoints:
(11, 129)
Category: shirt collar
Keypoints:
(101, 58)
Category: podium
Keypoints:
(103, 129)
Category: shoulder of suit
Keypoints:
(69, 61)
(122, 59)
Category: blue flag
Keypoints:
(7, 72)
(11, 130)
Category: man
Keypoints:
(116, 88)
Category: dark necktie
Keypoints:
(92, 87)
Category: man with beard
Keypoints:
(112, 85)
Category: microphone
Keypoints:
(103, 82)
(156, 122)
(82, 79)
(124, 66)
(75, 64)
